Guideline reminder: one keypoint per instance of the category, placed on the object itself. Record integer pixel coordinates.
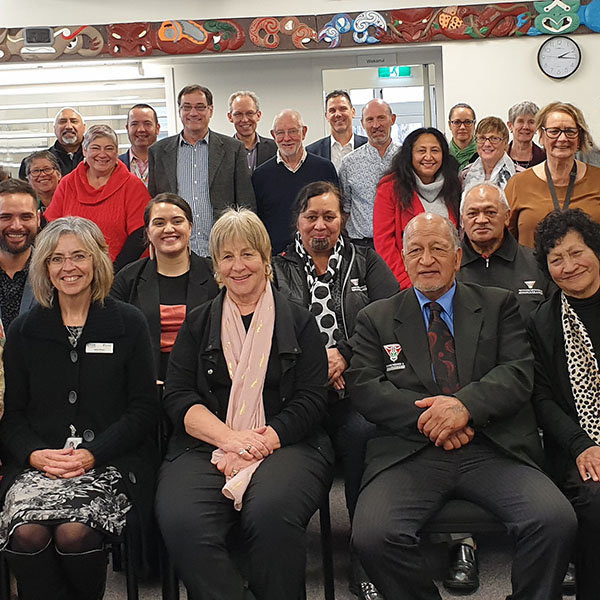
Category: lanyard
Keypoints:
(569, 188)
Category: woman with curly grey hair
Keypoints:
(77, 433)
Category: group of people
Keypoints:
(288, 305)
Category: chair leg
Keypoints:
(327, 550)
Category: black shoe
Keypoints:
(368, 592)
(568, 584)
(463, 574)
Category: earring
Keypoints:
(151, 252)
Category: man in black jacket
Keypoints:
(445, 371)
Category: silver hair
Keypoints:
(521, 109)
(96, 131)
(487, 184)
(242, 93)
(451, 228)
(68, 108)
(288, 111)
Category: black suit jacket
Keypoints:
(495, 368)
(564, 438)
(322, 147)
(137, 284)
(266, 149)
(228, 173)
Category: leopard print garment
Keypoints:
(584, 374)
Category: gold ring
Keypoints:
(248, 448)
(243, 451)
(234, 472)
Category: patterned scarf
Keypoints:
(463, 156)
(321, 302)
(584, 374)
(503, 170)
(247, 357)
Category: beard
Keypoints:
(6, 246)
(68, 138)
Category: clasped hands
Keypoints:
(247, 446)
(62, 464)
(445, 421)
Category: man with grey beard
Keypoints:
(19, 225)
(69, 128)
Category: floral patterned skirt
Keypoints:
(96, 499)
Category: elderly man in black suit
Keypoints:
(244, 113)
(445, 372)
(339, 113)
(207, 169)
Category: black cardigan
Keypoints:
(110, 398)
(564, 438)
(303, 384)
(137, 284)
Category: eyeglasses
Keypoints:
(280, 134)
(37, 172)
(554, 132)
(76, 258)
(186, 108)
(248, 115)
(492, 139)
(466, 122)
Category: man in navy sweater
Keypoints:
(278, 181)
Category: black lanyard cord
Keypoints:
(569, 188)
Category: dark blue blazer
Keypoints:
(124, 158)
(322, 147)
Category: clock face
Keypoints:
(559, 57)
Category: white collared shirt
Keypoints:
(280, 160)
(338, 151)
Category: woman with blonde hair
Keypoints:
(80, 413)
(246, 391)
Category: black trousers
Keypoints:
(585, 498)
(196, 519)
(393, 507)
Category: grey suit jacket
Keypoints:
(266, 149)
(228, 173)
(495, 369)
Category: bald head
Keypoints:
(432, 254)
(485, 215)
(377, 120)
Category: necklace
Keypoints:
(74, 334)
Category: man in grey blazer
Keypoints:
(339, 113)
(244, 113)
(445, 371)
(208, 169)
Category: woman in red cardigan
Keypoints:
(423, 178)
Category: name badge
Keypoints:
(395, 367)
(99, 348)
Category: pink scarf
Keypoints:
(247, 357)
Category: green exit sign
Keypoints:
(393, 72)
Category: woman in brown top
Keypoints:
(561, 181)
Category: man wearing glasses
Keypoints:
(19, 225)
(244, 113)
(208, 169)
(463, 146)
(278, 181)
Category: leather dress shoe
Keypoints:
(368, 591)
(568, 584)
(463, 574)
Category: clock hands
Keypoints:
(566, 55)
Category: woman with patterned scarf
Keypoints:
(323, 271)
(246, 393)
(565, 336)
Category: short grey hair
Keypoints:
(241, 94)
(521, 109)
(485, 184)
(46, 154)
(60, 112)
(91, 239)
(285, 112)
(96, 131)
(454, 237)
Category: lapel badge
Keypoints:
(393, 351)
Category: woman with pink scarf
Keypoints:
(246, 392)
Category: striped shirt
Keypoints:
(193, 186)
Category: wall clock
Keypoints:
(559, 57)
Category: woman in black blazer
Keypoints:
(565, 335)
(80, 414)
(172, 281)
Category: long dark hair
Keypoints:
(404, 175)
